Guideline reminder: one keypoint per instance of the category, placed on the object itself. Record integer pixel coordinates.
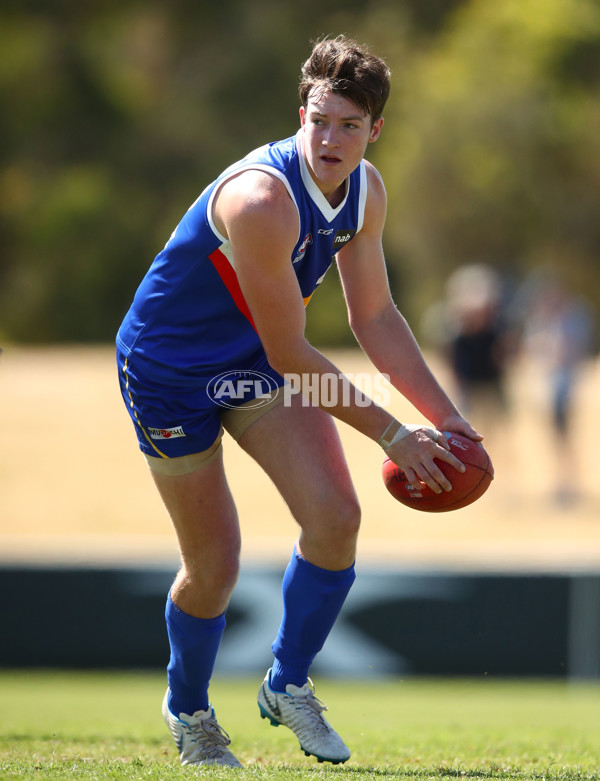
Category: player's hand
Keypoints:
(459, 425)
(415, 454)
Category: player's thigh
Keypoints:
(203, 514)
(300, 449)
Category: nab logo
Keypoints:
(342, 237)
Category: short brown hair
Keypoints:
(343, 66)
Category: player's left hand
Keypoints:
(416, 452)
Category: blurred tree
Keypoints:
(497, 148)
(116, 114)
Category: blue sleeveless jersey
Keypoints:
(189, 320)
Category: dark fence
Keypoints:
(395, 622)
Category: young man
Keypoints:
(224, 303)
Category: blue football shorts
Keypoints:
(180, 420)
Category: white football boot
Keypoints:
(199, 738)
(301, 711)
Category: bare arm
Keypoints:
(386, 338)
(256, 213)
(261, 222)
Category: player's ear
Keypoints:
(376, 130)
(302, 116)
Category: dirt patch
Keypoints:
(74, 486)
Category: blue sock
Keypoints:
(312, 600)
(194, 644)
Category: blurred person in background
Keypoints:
(558, 335)
(468, 327)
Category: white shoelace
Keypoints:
(210, 735)
(312, 707)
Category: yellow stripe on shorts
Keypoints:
(137, 420)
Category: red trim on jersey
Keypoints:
(227, 273)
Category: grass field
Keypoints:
(74, 488)
(108, 726)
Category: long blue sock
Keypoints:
(312, 600)
(194, 644)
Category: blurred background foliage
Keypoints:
(115, 115)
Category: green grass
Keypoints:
(108, 726)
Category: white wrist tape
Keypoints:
(397, 431)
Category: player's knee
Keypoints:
(349, 516)
(226, 574)
(341, 516)
(219, 574)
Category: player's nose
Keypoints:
(330, 137)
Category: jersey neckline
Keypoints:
(326, 209)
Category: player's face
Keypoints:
(336, 135)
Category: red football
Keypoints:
(467, 486)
